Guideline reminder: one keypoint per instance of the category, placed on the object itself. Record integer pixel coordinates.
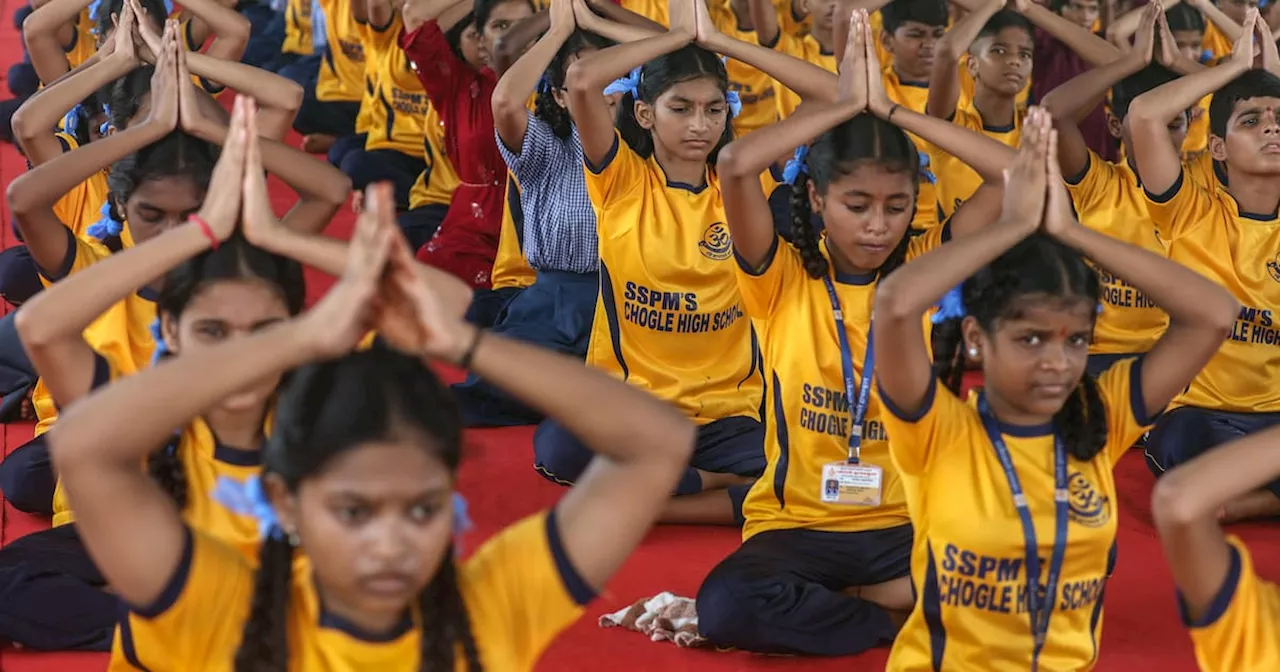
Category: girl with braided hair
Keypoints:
(357, 500)
(1012, 495)
(812, 300)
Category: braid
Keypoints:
(547, 109)
(445, 623)
(1083, 421)
(165, 467)
(948, 353)
(264, 644)
(803, 237)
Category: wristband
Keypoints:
(205, 229)
(465, 362)
(889, 117)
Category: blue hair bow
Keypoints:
(249, 498)
(796, 165)
(106, 226)
(71, 122)
(734, 101)
(544, 84)
(162, 348)
(628, 83)
(106, 124)
(925, 173)
(950, 306)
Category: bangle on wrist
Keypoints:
(893, 108)
(470, 353)
(205, 229)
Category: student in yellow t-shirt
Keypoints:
(383, 553)
(331, 104)
(818, 46)
(1229, 234)
(999, 43)
(1232, 613)
(813, 300)
(1011, 495)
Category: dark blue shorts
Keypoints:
(1185, 433)
(52, 596)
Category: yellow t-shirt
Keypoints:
(968, 561)
(297, 28)
(654, 10)
(1206, 232)
(398, 105)
(520, 591)
(510, 267)
(342, 71)
(669, 318)
(755, 89)
(1238, 632)
(84, 43)
(915, 97)
(81, 207)
(1215, 42)
(805, 48)
(437, 181)
(956, 180)
(807, 409)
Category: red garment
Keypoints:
(467, 240)
(1055, 64)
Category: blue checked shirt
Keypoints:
(559, 220)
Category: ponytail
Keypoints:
(803, 235)
(264, 645)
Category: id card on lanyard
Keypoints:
(1040, 597)
(852, 481)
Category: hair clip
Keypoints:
(734, 101)
(950, 306)
(925, 173)
(628, 83)
(796, 165)
(162, 348)
(249, 498)
(544, 84)
(106, 226)
(71, 122)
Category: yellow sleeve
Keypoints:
(81, 254)
(521, 591)
(621, 171)
(1121, 390)
(1239, 631)
(200, 614)
(1178, 211)
(926, 240)
(914, 437)
(1092, 188)
(762, 287)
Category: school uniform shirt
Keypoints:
(807, 409)
(805, 48)
(437, 181)
(1215, 41)
(969, 555)
(398, 111)
(520, 591)
(956, 180)
(968, 86)
(755, 89)
(915, 97)
(1197, 139)
(341, 77)
(81, 207)
(1108, 198)
(654, 10)
(1206, 232)
(297, 28)
(187, 26)
(669, 318)
(83, 43)
(1238, 632)
(510, 267)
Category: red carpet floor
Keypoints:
(1142, 633)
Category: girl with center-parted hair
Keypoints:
(357, 499)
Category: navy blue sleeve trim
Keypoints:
(75, 39)
(66, 146)
(1076, 179)
(608, 158)
(173, 589)
(1220, 602)
(579, 589)
(946, 230)
(764, 265)
(68, 260)
(382, 29)
(101, 371)
(1168, 194)
(1137, 403)
(925, 406)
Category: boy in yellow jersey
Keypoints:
(1012, 494)
(755, 89)
(429, 197)
(817, 47)
(1233, 614)
(999, 43)
(331, 105)
(1229, 234)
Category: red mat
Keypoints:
(1142, 632)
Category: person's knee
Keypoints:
(26, 480)
(19, 277)
(557, 455)
(727, 606)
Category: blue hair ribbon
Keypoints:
(71, 122)
(628, 83)
(951, 306)
(249, 498)
(925, 173)
(162, 348)
(734, 101)
(796, 165)
(106, 124)
(106, 226)
(544, 84)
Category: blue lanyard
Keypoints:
(846, 365)
(1040, 606)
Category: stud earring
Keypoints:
(973, 352)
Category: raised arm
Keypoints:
(511, 44)
(47, 31)
(1093, 49)
(614, 22)
(806, 79)
(510, 115)
(587, 77)
(417, 12)
(909, 292)
(764, 16)
(944, 82)
(1076, 95)
(1185, 506)
(1154, 153)
(1225, 24)
(229, 29)
(1126, 25)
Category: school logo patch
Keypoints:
(1273, 267)
(1085, 505)
(716, 244)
